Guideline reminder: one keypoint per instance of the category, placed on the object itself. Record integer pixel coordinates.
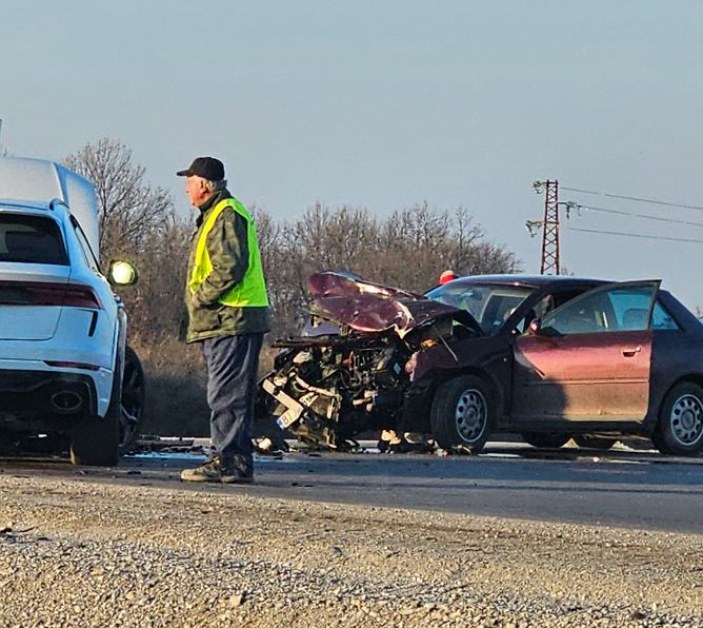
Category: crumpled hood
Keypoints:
(370, 307)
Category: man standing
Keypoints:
(228, 315)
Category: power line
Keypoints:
(620, 212)
(635, 235)
(635, 198)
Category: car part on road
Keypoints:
(545, 440)
(591, 441)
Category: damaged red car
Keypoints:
(547, 357)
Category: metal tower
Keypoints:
(550, 230)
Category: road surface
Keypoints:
(618, 488)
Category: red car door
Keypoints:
(590, 359)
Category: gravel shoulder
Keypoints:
(82, 553)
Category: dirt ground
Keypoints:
(81, 553)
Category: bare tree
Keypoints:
(156, 306)
(275, 264)
(138, 222)
(416, 244)
(409, 250)
(322, 239)
(130, 210)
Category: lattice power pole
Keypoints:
(550, 228)
(550, 231)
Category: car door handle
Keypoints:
(630, 352)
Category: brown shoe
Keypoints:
(214, 471)
(209, 471)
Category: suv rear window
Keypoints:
(31, 240)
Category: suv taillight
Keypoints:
(45, 293)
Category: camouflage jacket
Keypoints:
(228, 250)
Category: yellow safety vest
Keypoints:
(251, 291)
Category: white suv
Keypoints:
(62, 329)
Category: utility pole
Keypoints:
(550, 227)
(550, 233)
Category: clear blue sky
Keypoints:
(387, 104)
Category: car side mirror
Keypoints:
(122, 273)
(534, 327)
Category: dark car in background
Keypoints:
(547, 357)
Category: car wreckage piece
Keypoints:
(356, 367)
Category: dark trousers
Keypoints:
(232, 363)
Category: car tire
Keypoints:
(461, 414)
(545, 440)
(589, 441)
(679, 430)
(95, 441)
(132, 401)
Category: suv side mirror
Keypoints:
(122, 273)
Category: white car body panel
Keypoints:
(83, 343)
(30, 322)
(40, 180)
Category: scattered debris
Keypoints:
(266, 447)
(8, 532)
(153, 442)
(238, 599)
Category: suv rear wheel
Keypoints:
(132, 403)
(95, 441)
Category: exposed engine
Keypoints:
(328, 389)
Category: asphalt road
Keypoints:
(618, 488)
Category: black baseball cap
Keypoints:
(206, 167)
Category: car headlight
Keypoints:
(122, 273)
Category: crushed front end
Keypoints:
(329, 389)
(354, 371)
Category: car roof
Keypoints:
(41, 180)
(21, 205)
(528, 281)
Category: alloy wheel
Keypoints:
(470, 415)
(686, 419)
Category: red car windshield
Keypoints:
(489, 304)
